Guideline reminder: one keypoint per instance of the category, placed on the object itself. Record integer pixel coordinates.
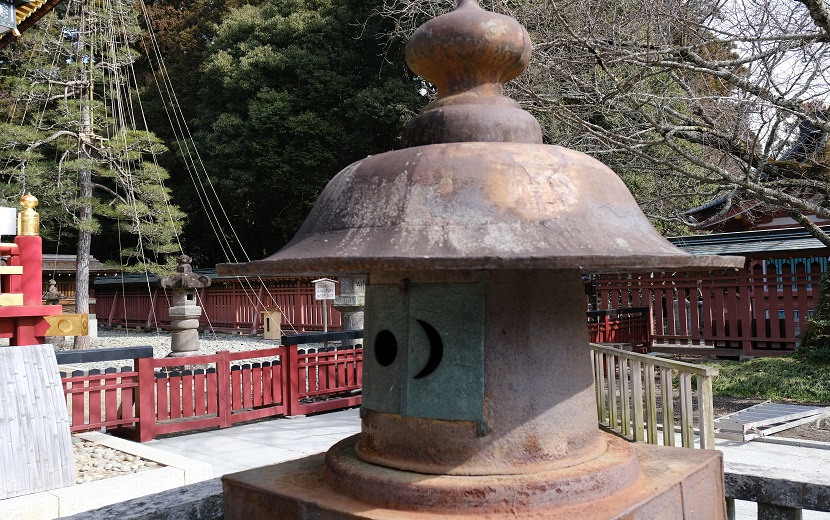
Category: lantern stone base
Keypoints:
(670, 483)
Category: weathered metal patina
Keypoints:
(478, 396)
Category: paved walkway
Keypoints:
(252, 445)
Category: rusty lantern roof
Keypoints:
(475, 188)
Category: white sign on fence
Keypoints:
(323, 289)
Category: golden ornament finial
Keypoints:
(28, 221)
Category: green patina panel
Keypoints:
(437, 371)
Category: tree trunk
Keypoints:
(84, 191)
(82, 266)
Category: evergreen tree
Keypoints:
(294, 91)
(73, 138)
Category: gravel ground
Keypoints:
(209, 343)
(94, 461)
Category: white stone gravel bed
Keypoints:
(94, 461)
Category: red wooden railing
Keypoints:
(100, 400)
(226, 306)
(753, 312)
(227, 388)
(629, 325)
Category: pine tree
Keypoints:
(73, 135)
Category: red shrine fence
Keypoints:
(153, 397)
(757, 311)
(226, 306)
(748, 311)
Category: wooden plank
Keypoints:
(78, 400)
(707, 310)
(695, 307)
(247, 387)
(256, 381)
(111, 396)
(223, 389)
(682, 312)
(625, 398)
(651, 405)
(667, 397)
(276, 383)
(290, 382)
(759, 302)
(682, 350)
(599, 383)
(236, 388)
(687, 427)
(162, 404)
(706, 419)
(182, 426)
(145, 398)
(129, 384)
(267, 396)
(717, 310)
(612, 392)
(671, 316)
(659, 319)
(637, 398)
(188, 409)
(332, 404)
(175, 379)
(788, 304)
(199, 394)
(331, 370)
(803, 304)
(94, 397)
(211, 392)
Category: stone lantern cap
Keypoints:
(184, 278)
(475, 188)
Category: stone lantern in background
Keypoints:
(478, 396)
(185, 312)
(350, 303)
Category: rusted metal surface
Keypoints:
(593, 479)
(473, 217)
(464, 66)
(477, 206)
(532, 420)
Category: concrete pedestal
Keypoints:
(668, 483)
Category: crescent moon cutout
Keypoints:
(436, 349)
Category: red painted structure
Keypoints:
(144, 402)
(227, 305)
(752, 312)
(24, 324)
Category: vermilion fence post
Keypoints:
(223, 380)
(145, 399)
(291, 386)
